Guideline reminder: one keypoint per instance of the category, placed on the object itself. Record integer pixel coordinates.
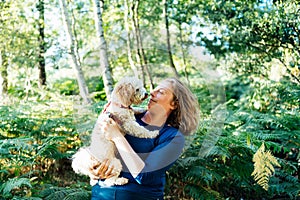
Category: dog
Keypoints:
(127, 91)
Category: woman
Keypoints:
(174, 111)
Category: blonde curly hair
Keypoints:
(186, 116)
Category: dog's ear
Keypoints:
(124, 93)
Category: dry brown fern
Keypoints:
(264, 163)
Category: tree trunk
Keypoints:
(79, 73)
(138, 56)
(104, 64)
(165, 13)
(140, 48)
(128, 41)
(3, 75)
(41, 39)
(183, 54)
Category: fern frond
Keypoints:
(210, 140)
(78, 194)
(12, 184)
(217, 151)
(264, 163)
(27, 198)
(188, 161)
(50, 147)
(266, 135)
(200, 192)
(54, 193)
(17, 144)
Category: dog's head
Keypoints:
(129, 90)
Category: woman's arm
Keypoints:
(132, 160)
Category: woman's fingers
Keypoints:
(102, 170)
(94, 166)
(93, 170)
(109, 171)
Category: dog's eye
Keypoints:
(137, 90)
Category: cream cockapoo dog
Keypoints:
(127, 91)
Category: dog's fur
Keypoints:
(127, 91)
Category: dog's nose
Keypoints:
(145, 96)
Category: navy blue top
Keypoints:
(158, 154)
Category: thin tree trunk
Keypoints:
(138, 55)
(76, 61)
(183, 54)
(128, 40)
(104, 64)
(165, 12)
(143, 59)
(3, 75)
(42, 49)
(141, 47)
(146, 63)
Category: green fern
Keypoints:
(54, 193)
(264, 163)
(26, 198)
(78, 194)
(12, 184)
(202, 193)
(50, 147)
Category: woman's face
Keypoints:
(162, 99)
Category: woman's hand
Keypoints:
(102, 170)
(111, 129)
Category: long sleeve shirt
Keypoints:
(158, 154)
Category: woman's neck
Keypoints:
(154, 119)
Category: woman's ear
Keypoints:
(174, 104)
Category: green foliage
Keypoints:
(53, 193)
(257, 46)
(217, 164)
(96, 88)
(50, 147)
(67, 86)
(255, 33)
(34, 137)
(15, 186)
(37, 139)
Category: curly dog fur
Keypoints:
(127, 91)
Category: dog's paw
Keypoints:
(121, 181)
(109, 182)
(115, 181)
